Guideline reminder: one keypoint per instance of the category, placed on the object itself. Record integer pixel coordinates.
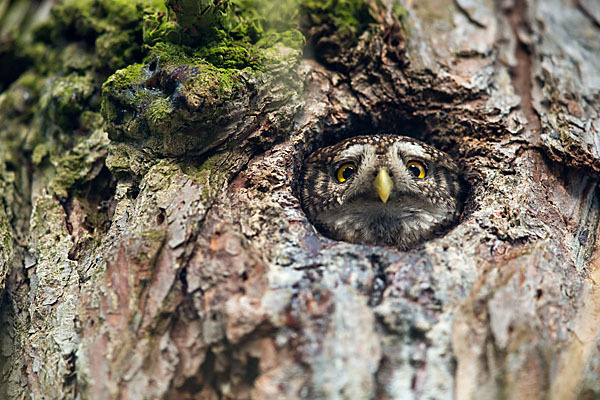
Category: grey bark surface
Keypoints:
(209, 282)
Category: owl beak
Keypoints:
(383, 184)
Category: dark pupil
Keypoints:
(347, 172)
(414, 170)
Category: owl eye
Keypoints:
(345, 172)
(417, 169)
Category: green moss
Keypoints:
(31, 82)
(91, 120)
(401, 14)
(199, 15)
(218, 82)
(211, 164)
(159, 110)
(71, 169)
(156, 235)
(157, 28)
(213, 173)
(172, 72)
(158, 115)
(292, 39)
(349, 18)
(39, 153)
(116, 50)
(75, 165)
(113, 26)
(66, 98)
(233, 54)
(57, 101)
(227, 34)
(125, 160)
(136, 102)
(133, 74)
(239, 33)
(86, 40)
(119, 86)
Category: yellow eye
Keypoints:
(345, 172)
(417, 169)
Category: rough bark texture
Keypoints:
(153, 246)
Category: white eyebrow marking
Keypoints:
(410, 149)
(353, 152)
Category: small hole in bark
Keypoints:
(160, 218)
(72, 367)
(539, 293)
(208, 368)
(191, 386)
(153, 64)
(244, 276)
(134, 191)
(252, 370)
(370, 217)
(416, 333)
(183, 278)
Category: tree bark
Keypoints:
(154, 246)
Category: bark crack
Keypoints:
(522, 72)
(585, 9)
(466, 13)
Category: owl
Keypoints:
(383, 190)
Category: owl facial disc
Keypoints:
(385, 190)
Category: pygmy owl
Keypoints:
(381, 189)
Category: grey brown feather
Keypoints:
(417, 210)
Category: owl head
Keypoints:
(382, 190)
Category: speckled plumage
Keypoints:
(417, 209)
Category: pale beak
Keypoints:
(383, 184)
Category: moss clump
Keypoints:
(201, 53)
(54, 106)
(135, 73)
(110, 31)
(173, 71)
(199, 15)
(39, 153)
(115, 49)
(66, 98)
(347, 18)
(226, 34)
(159, 110)
(77, 165)
(157, 28)
(170, 93)
(159, 115)
(117, 89)
(200, 57)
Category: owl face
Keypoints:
(381, 189)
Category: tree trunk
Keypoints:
(153, 244)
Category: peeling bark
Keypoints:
(162, 252)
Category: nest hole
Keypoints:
(429, 131)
